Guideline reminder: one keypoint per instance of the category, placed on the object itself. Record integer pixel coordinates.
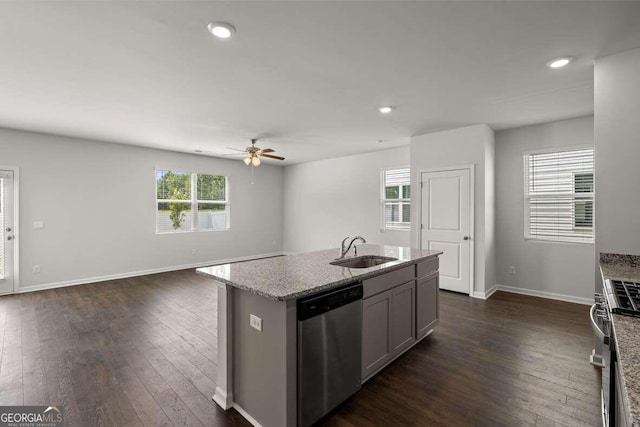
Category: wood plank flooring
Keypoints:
(142, 351)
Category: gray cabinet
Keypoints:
(403, 317)
(388, 326)
(426, 304)
(397, 310)
(377, 347)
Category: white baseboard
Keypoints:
(223, 399)
(542, 294)
(246, 415)
(142, 273)
(485, 295)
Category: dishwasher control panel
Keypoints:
(318, 304)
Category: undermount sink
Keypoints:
(364, 261)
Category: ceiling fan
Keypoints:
(254, 153)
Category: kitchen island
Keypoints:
(257, 320)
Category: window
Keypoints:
(396, 199)
(188, 201)
(559, 195)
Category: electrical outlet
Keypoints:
(36, 269)
(255, 322)
(512, 270)
(38, 225)
(194, 251)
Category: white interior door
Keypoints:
(6, 232)
(446, 216)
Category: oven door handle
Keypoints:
(594, 322)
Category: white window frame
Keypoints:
(383, 201)
(527, 198)
(194, 202)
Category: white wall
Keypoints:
(617, 143)
(97, 201)
(464, 146)
(328, 200)
(564, 269)
(490, 245)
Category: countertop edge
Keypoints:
(319, 288)
(626, 394)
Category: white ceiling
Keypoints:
(305, 76)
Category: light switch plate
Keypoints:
(255, 322)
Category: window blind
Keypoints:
(559, 189)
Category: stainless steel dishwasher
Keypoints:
(329, 351)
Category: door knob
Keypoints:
(466, 237)
(8, 228)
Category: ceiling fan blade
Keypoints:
(235, 149)
(233, 154)
(266, 150)
(272, 157)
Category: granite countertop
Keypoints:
(294, 276)
(626, 328)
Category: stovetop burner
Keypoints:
(623, 297)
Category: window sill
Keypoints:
(564, 242)
(384, 230)
(191, 231)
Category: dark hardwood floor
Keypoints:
(511, 360)
(139, 351)
(142, 351)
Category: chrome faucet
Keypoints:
(343, 251)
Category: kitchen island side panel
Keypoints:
(264, 362)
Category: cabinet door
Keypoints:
(403, 315)
(377, 348)
(426, 305)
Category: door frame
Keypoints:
(472, 198)
(16, 226)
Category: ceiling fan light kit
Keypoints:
(254, 153)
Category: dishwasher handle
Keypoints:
(318, 304)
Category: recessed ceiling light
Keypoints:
(559, 62)
(222, 30)
(385, 110)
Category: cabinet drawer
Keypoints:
(386, 281)
(427, 267)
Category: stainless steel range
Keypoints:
(623, 297)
